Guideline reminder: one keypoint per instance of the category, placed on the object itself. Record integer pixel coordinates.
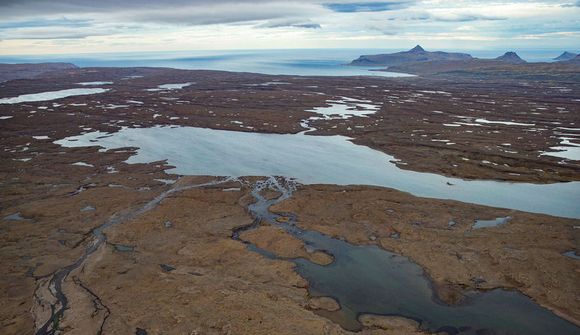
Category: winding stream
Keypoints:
(55, 281)
(370, 280)
(363, 279)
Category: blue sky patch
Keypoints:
(364, 6)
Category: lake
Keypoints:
(320, 160)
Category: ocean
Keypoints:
(303, 62)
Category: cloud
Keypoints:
(95, 25)
(445, 16)
(49, 33)
(465, 17)
(64, 22)
(53, 29)
(221, 13)
(290, 24)
(97, 18)
(568, 5)
(355, 7)
(559, 34)
(12, 9)
(465, 28)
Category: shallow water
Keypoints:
(168, 87)
(14, 217)
(507, 123)
(490, 223)
(370, 280)
(58, 303)
(320, 160)
(54, 95)
(346, 108)
(567, 150)
(367, 279)
(88, 209)
(94, 83)
(572, 254)
(124, 248)
(571, 153)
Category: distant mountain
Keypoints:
(510, 57)
(417, 54)
(27, 71)
(565, 56)
(575, 60)
(417, 49)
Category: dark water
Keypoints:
(367, 279)
(370, 280)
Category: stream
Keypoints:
(55, 281)
(370, 280)
(363, 279)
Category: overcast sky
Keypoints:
(73, 26)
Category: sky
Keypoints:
(35, 27)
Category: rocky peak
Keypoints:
(510, 57)
(565, 56)
(417, 48)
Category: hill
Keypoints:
(510, 57)
(417, 54)
(565, 56)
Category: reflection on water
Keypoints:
(572, 254)
(322, 160)
(367, 279)
(305, 62)
(491, 223)
(47, 96)
(313, 62)
(168, 87)
(370, 280)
